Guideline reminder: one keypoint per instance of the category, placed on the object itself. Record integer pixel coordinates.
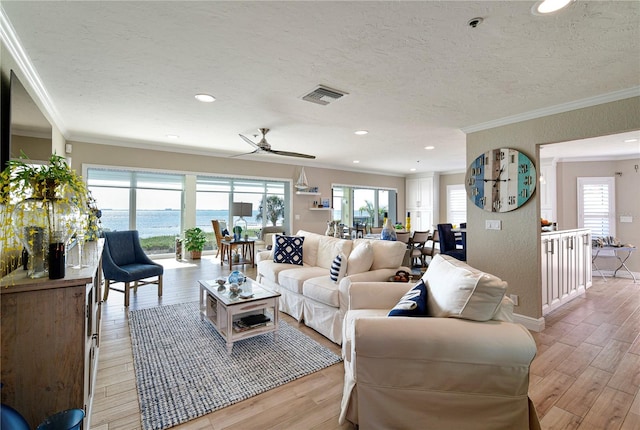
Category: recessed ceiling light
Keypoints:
(361, 132)
(630, 140)
(413, 169)
(545, 7)
(356, 161)
(172, 136)
(205, 98)
(429, 147)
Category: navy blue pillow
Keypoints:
(288, 249)
(413, 303)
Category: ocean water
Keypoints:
(152, 223)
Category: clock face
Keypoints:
(501, 180)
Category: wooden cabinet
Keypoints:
(421, 196)
(565, 265)
(50, 340)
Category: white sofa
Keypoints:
(307, 292)
(465, 368)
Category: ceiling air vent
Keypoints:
(323, 95)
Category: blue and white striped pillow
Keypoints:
(338, 268)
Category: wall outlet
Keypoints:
(297, 217)
(493, 224)
(626, 218)
(514, 299)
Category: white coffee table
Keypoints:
(223, 309)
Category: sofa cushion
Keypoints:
(361, 258)
(293, 279)
(288, 249)
(455, 289)
(310, 247)
(413, 303)
(328, 248)
(323, 290)
(270, 269)
(338, 268)
(386, 254)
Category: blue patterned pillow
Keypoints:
(413, 303)
(288, 249)
(338, 268)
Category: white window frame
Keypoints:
(456, 215)
(607, 181)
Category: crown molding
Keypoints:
(12, 42)
(552, 110)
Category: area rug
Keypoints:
(183, 370)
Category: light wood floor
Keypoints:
(586, 374)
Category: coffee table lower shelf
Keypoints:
(222, 311)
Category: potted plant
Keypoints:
(45, 204)
(194, 241)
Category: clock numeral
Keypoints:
(472, 181)
(524, 168)
(476, 171)
(524, 193)
(528, 180)
(485, 160)
(475, 191)
(512, 158)
(500, 156)
(497, 204)
(483, 200)
(512, 200)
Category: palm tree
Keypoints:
(369, 209)
(274, 209)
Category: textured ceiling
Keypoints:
(415, 72)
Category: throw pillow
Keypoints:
(413, 303)
(361, 258)
(288, 249)
(460, 291)
(338, 268)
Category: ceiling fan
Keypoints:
(264, 146)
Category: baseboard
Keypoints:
(533, 324)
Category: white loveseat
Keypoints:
(307, 292)
(467, 367)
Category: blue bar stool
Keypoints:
(66, 420)
(10, 419)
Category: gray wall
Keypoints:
(513, 253)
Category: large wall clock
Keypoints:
(501, 180)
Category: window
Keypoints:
(156, 205)
(363, 205)
(456, 204)
(596, 205)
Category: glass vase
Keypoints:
(38, 222)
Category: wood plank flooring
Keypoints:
(586, 374)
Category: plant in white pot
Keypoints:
(194, 241)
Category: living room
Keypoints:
(513, 252)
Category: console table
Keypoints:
(621, 253)
(51, 339)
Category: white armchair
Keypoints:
(435, 372)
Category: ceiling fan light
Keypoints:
(546, 7)
(430, 147)
(205, 98)
(361, 132)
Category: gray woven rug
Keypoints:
(183, 371)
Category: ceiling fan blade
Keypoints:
(291, 154)
(246, 153)
(250, 142)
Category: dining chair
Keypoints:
(418, 242)
(124, 260)
(448, 243)
(404, 236)
(432, 249)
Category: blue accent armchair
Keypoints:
(448, 243)
(124, 260)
